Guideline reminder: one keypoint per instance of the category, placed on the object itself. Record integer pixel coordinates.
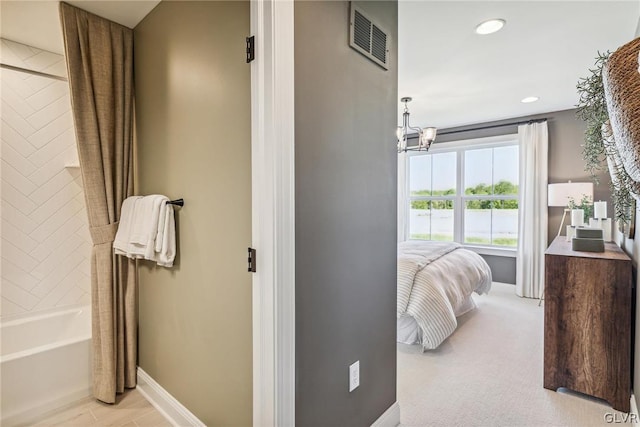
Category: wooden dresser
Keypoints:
(587, 322)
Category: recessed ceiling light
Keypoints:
(529, 99)
(490, 26)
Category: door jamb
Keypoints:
(273, 212)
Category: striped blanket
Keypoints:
(435, 279)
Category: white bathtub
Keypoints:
(45, 363)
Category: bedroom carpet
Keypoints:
(489, 373)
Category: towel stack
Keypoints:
(147, 230)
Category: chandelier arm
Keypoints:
(417, 130)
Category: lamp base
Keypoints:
(564, 216)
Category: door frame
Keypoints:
(273, 212)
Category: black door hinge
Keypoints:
(252, 260)
(251, 49)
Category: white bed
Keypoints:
(435, 283)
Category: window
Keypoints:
(465, 192)
(432, 187)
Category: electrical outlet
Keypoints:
(354, 376)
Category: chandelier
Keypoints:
(426, 136)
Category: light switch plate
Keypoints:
(354, 376)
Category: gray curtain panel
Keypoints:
(99, 57)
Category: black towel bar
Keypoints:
(178, 202)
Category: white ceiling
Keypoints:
(457, 77)
(454, 76)
(37, 23)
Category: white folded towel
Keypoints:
(147, 230)
(166, 239)
(123, 235)
(145, 225)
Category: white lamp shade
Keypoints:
(429, 134)
(559, 194)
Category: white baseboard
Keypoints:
(166, 404)
(635, 418)
(390, 418)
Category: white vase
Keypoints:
(605, 225)
(577, 217)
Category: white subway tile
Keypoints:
(51, 168)
(55, 221)
(17, 179)
(53, 278)
(39, 119)
(11, 137)
(15, 198)
(8, 308)
(18, 296)
(16, 81)
(19, 50)
(18, 237)
(42, 212)
(12, 272)
(57, 146)
(17, 160)
(72, 295)
(18, 257)
(18, 219)
(46, 246)
(16, 102)
(42, 60)
(51, 131)
(37, 83)
(48, 95)
(16, 121)
(49, 245)
(50, 187)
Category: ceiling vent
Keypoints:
(367, 37)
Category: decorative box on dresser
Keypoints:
(587, 322)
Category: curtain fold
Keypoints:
(99, 56)
(403, 197)
(532, 224)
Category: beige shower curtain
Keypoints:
(99, 57)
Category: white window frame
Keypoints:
(460, 147)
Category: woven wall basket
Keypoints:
(622, 93)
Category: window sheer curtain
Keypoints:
(99, 56)
(532, 224)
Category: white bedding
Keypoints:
(435, 283)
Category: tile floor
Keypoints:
(131, 410)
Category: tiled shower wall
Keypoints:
(45, 239)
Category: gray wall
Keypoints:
(503, 269)
(193, 130)
(346, 166)
(566, 135)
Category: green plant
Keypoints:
(598, 143)
(592, 108)
(585, 204)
